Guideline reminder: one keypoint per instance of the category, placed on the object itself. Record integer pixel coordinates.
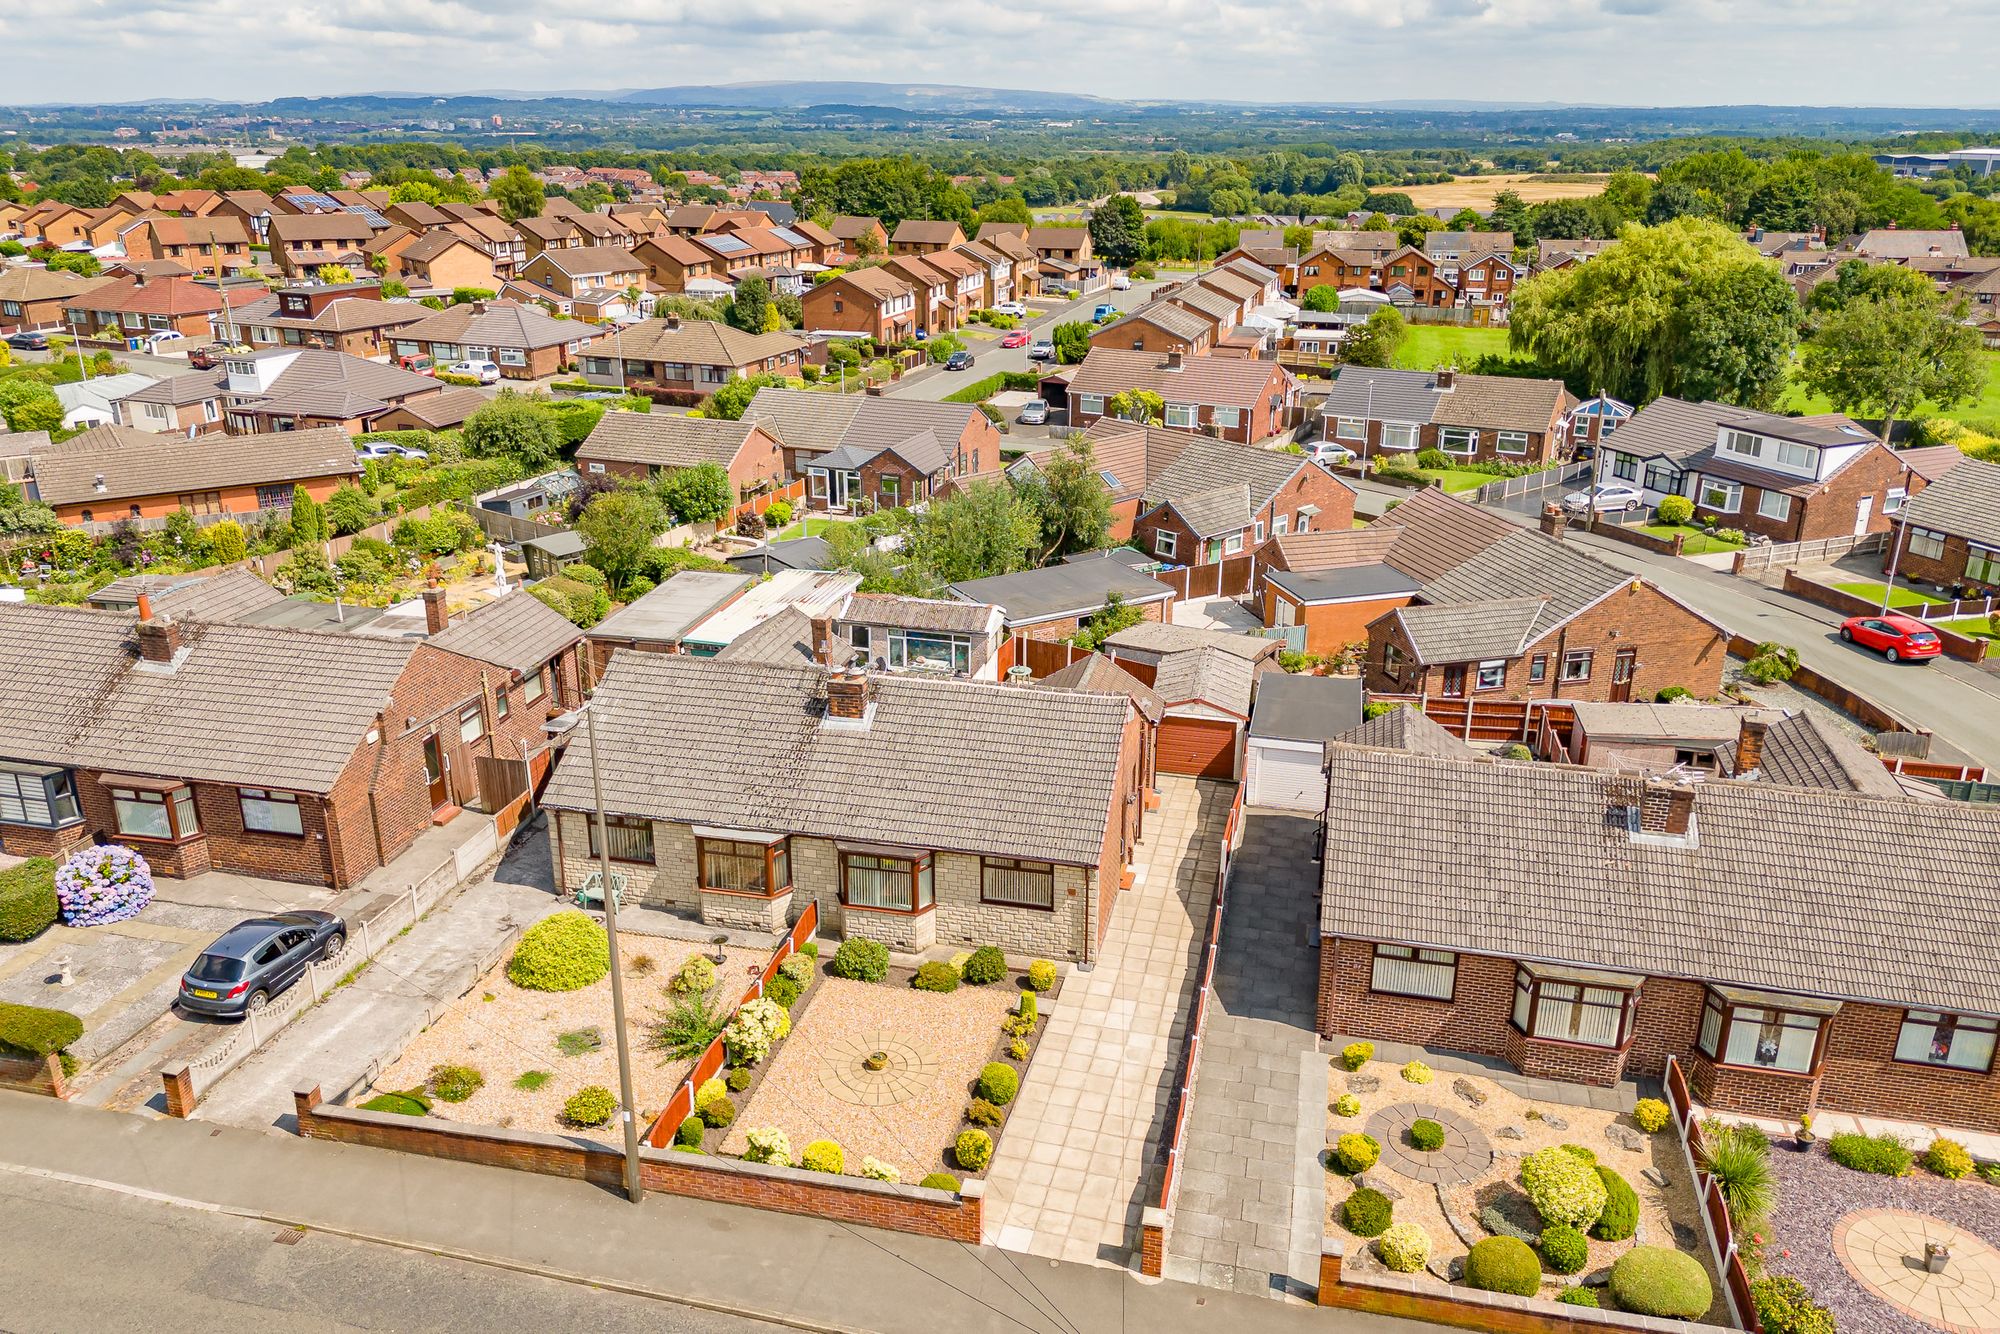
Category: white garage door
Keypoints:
(1286, 775)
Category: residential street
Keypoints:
(991, 359)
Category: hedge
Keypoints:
(28, 1032)
(1001, 382)
(28, 899)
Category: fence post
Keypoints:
(413, 905)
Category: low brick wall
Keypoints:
(898, 1208)
(1633, 537)
(1420, 1297)
(1962, 647)
(30, 1076)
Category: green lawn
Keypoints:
(1426, 346)
(1457, 479)
(1696, 543)
(1983, 409)
(809, 527)
(1975, 627)
(1905, 597)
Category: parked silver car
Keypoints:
(257, 959)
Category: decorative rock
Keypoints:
(1374, 1181)
(1460, 1228)
(1554, 1122)
(1656, 1176)
(1511, 1132)
(1469, 1091)
(1625, 1137)
(1439, 1268)
(1363, 1083)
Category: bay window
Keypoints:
(1761, 1031)
(1403, 970)
(1399, 435)
(1014, 883)
(1955, 1041)
(1982, 565)
(1722, 497)
(269, 812)
(164, 811)
(737, 866)
(897, 883)
(37, 794)
(1574, 1005)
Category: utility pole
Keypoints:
(632, 1187)
(1895, 560)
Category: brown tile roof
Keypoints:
(1215, 381)
(153, 296)
(992, 231)
(1132, 454)
(1964, 502)
(448, 407)
(592, 260)
(1208, 676)
(140, 463)
(1931, 462)
(224, 230)
(1058, 238)
(1408, 729)
(292, 228)
(927, 231)
(804, 419)
(877, 283)
(496, 324)
(515, 631)
(703, 343)
(45, 284)
(434, 243)
(665, 440)
(1336, 548)
(1438, 534)
(847, 227)
(219, 597)
(813, 232)
(485, 229)
(387, 239)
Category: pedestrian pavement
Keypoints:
(1251, 1201)
(1079, 1161)
(807, 1272)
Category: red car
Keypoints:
(1018, 338)
(1895, 637)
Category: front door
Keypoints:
(1862, 512)
(1454, 679)
(1622, 669)
(434, 771)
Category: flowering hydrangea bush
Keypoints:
(756, 1028)
(99, 886)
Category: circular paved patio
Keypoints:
(1465, 1156)
(911, 1068)
(1883, 1251)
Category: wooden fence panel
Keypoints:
(1046, 657)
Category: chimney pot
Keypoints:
(848, 693)
(435, 615)
(1750, 745)
(1553, 521)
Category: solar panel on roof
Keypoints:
(789, 236)
(728, 245)
(327, 202)
(366, 214)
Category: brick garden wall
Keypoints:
(44, 1076)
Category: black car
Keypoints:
(28, 340)
(255, 960)
(958, 361)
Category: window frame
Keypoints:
(1350, 428)
(55, 787)
(1409, 432)
(1733, 491)
(899, 656)
(1538, 669)
(1413, 956)
(770, 854)
(631, 826)
(471, 724)
(1982, 564)
(1578, 1003)
(1020, 866)
(1165, 545)
(1464, 435)
(1502, 439)
(1588, 657)
(1955, 1021)
(922, 881)
(1925, 542)
(1714, 1045)
(1497, 667)
(270, 797)
(1784, 509)
(176, 803)
(536, 686)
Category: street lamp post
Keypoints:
(632, 1187)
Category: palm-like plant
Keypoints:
(1741, 1166)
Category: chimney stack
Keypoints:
(1447, 377)
(1750, 745)
(822, 641)
(1666, 806)
(1174, 360)
(673, 320)
(847, 694)
(1553, 520)
(159, 637)
(435, 615)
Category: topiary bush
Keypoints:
(998, 1083)
(973, 1150)
(1404, 1247)
(986, 965)
(1041, 975)
(1356, 1054)
(1620, 1218)
(455, 1083)
(1416, 1072)
(688, 1134)
(1357, 1152)
(798, 968)
(940, 1181)
(1366, 1213)
(1504, 1264)
(591, 1106)
(28, 903)
(565, 951)
(1578, 1151)
(1948, 1158)
(1347, 1105)
(1563, 1187)
(30, 1032)
(781, 990)
(1785, 1307)
(1027, 1007)
(1676, 509)
(767, 1144)
(983, 1113)
(1426, 1135)
(1661, 1281)
(1578, 1297)
(823, 1155)
(1651, 1115)
(696, 973)
(720, 1114)
(935, 976)
(861, 960)
(1884, 1155)
(97, 886)
(1564, 1249)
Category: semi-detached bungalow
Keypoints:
(116, 472)
(642, 444)
(1233, 398)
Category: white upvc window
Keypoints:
(1350, 428)
(1893, 503)
(1182, 415)
(1803, 457)
(513, 356)
(1720, 496)
(1228, 417)
(1401, 970)
(1923, 542)
(1399, 435)
(1458, 440)
(1982, 565)
(1232, 544)
(1164, 545)
(1774, 505)
(1090, 405)
(1512, 442)
(1280, 525)
(1492, 675)
(1259, 531)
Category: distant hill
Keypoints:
(785, 94)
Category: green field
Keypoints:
(1694, 541)
(1427, 346)
(1982, 411)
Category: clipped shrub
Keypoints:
(876, 1170)
(757, 1027)
(1564, 1249)
(986, 965)
(1651, 1115)
(1676, 509)
(688, 1134)
(935, 976)
(1563, 1187)
(1504, 1264)
(798, 968)
(28, 904)
(591, 1106)
(720, 1114)
(1347, 1105)
(1426, 1135)
(455, 1083)
(1041, 975)
(30, 1031)
(998, 1083)
(767, 1144)
(1580, 1152)
(1661, 1281)
(565, 951)
(1580, 1296)
(973, 1150)
(861, 960)
(1027, 1007)
(737, 1079)
(823, 1155)
(984, 1113)
(1785, 1307)
(1433, 458)
(1416, 1072)
(1404, 1247)
(1357, 1152)
(810, 949)
(1017, 1048)
(696, 973)
(940, 1181)
(1620, 1218)
(1668, 695)
(711, 1090)
(1366, 1213)
(781, 990)
(1948, 1158)
(1017, 1025)
(1357, 1054)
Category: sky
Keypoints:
(1621, 52)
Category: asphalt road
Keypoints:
(80, 1258)
(989, 358)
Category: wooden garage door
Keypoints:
(1204, 747)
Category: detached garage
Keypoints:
(1207, 693)
(1285, 756)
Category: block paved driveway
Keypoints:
(1252, 1194)
(1080, 1157)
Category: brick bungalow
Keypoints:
(297, 755)
(643, 444)
(38, 298)
(139, 306)
(116, 472)
(741, 790)
(350, 317)
(1473, 418)
(1159, 327)
(1949, 535)
(906, 472)
(812, 424)
(683, 361)
(1234, 398)
(1217, 499)
(523, 340)
(1757, 932)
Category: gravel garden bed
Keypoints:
(1431, 1190)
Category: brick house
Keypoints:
(301, 242)
(921, 236)
(1334, 583)
(644, 444)
(38, 298)
(883, 476)
(1407, 276)
(1790, 479)
(1280, 260)
(351, 318)
(1475, 418)
(524, 341)
(1488, 280)
(442, 261)
(1159, 327)
(138, 306)
(581, 272)
(1065, 256)
(1949, 533)
(496, 237)
(1217, 499)
(573, 230)
(672, 262)
(297, 755)
(1768, 1012)
(117, 472)
(1233, 398)
(741, 790)
(1011, 239)
(812, 424)
(936, 290)
(219, 246)
(996, 270)
(848, 231)
(871, 302)
(1054, 601)
(682, 361)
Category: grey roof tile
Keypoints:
(1099, 675)
(1471, 631)
(516, 631)
(1407, 728)
(1964, 502)
(665, 440)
